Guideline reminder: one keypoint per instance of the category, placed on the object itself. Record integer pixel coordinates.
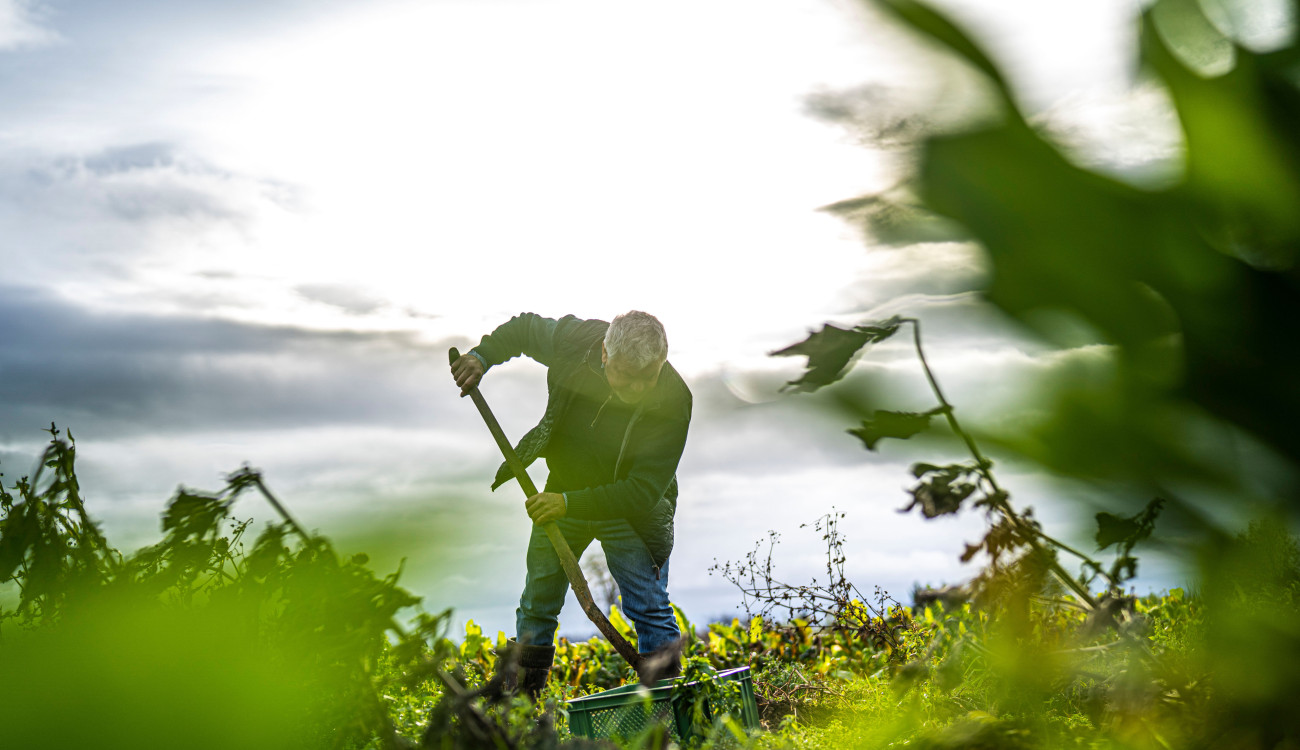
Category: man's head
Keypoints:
(634, 351)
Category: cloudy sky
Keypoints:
(248, 232)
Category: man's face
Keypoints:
(630, 384)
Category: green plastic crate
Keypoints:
(624, 712)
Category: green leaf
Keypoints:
(621, 624)
(193, 514)
(1112, 529)
(1130, 530)
(830, 350)
(942, 492)
(891, 424)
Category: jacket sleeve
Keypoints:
(652, 466)
(526, 333)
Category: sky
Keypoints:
(247, 232)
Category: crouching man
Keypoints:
(612, 434)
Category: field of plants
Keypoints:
(212, 639)
(226, 636)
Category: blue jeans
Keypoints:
(644, 594)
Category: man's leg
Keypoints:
(537, 617)
(644, 593)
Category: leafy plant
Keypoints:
(205, 640)
(942, 489)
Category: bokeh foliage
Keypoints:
(1194, 285)
(201, 640)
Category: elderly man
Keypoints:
(612, 434)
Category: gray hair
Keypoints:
(637, 338)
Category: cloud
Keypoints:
(133, 223)
(1132, 133)
(135, 182)
(22, 25)
(124, 374)
(352, 300)
(935, 269)
(150, 182)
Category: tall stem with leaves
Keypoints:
(941, 490)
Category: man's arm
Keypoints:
(526, 333)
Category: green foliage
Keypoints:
(1126, 532)
(203, 640)
(1019, 665)
(942, 488)
(162, 647)
(48, 543)
(868, 628)
(1194, 284)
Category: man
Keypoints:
(612, 434)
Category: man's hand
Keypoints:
(545, 507)
(468, 371)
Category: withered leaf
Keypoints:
(830, 350)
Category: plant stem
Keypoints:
(998, 497)
(281, 509)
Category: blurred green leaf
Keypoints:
(1194, 285)
(942, 489)
(890, 424)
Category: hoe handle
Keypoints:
(567, 560)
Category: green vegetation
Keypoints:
(206, 640)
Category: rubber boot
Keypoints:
(535, 669)
(662, 664)
(674, 668)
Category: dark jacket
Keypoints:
(644, 490)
